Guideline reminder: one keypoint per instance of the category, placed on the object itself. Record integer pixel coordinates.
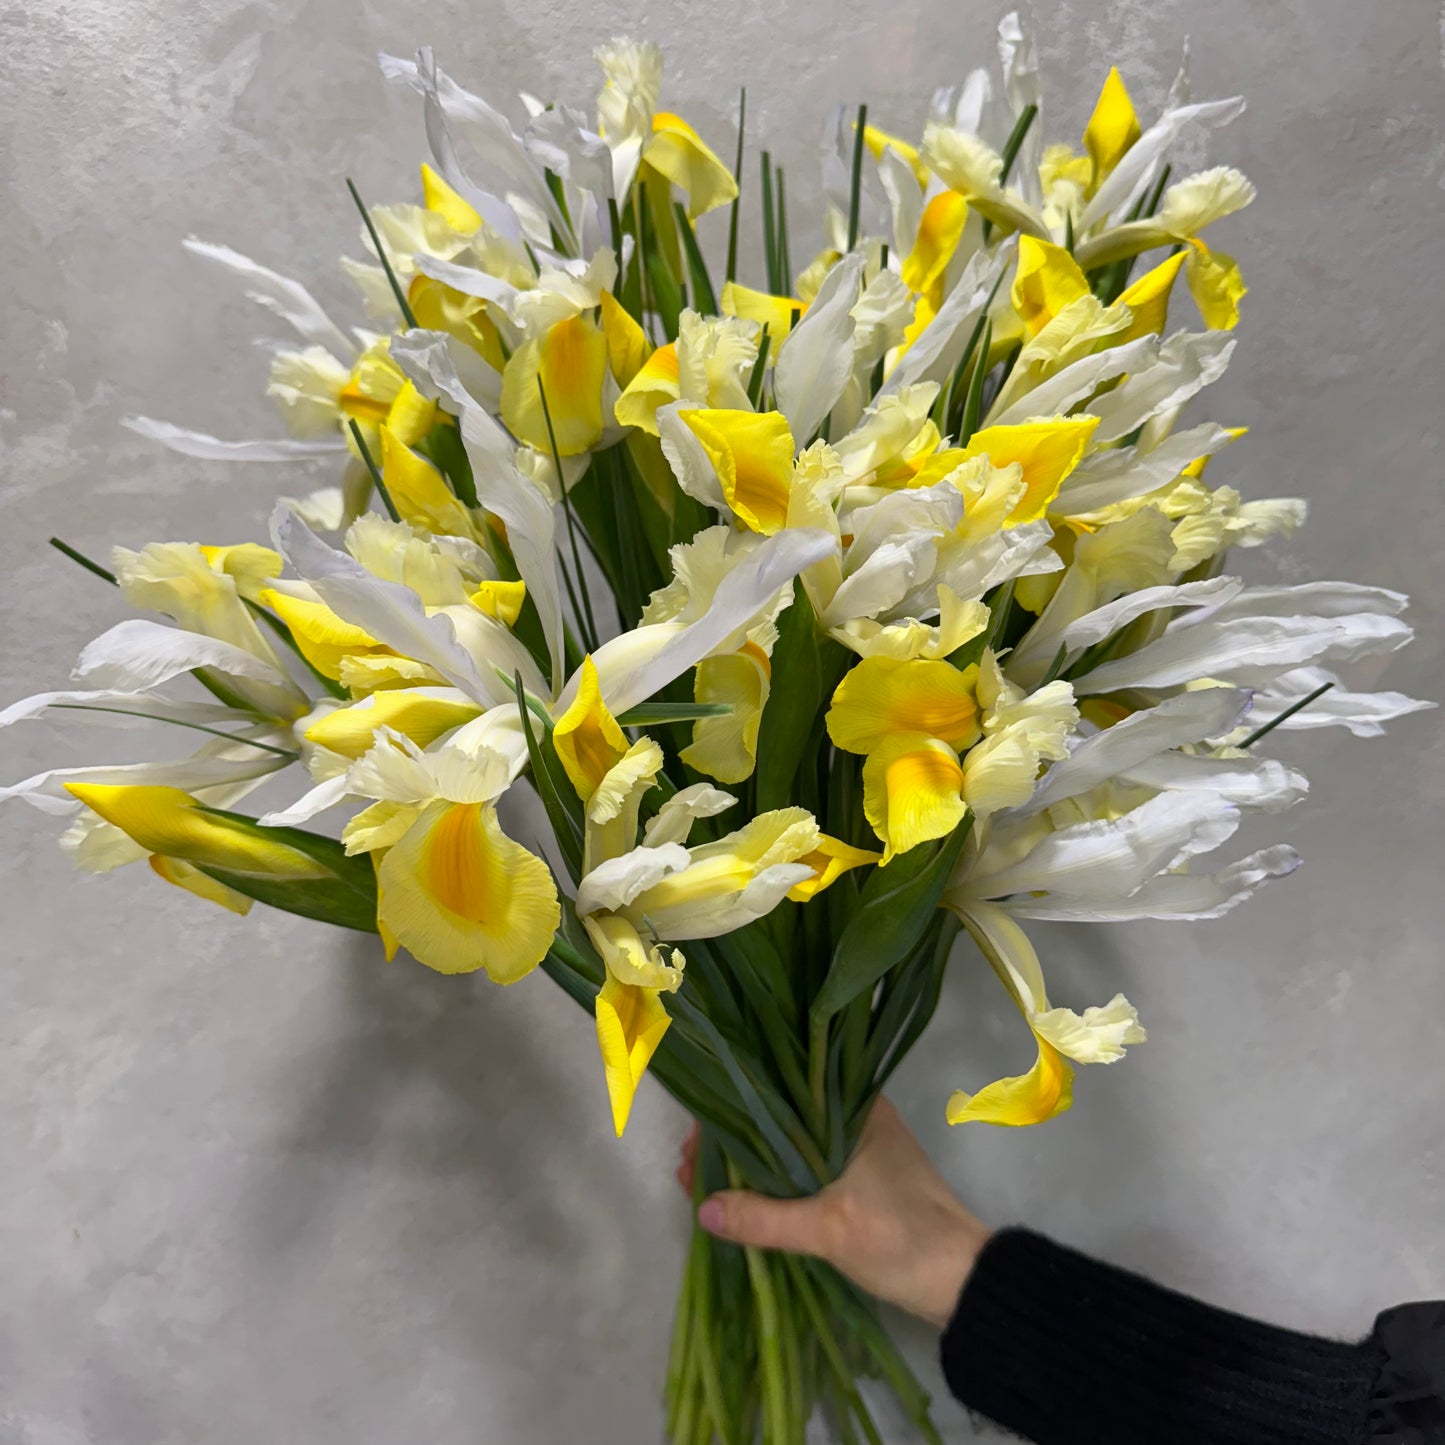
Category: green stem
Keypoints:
(102, 572)
(732, 266)
(375, 471)
(1289, 712)
(396, 290)
(770, 1360)
(855, 185)
(286, 753)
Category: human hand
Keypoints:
(888, 1222)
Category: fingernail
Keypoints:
(710, 1215)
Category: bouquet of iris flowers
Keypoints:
(829, 612)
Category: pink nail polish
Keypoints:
(710, 1215)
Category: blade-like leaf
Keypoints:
(896, 907)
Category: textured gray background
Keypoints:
(258, 1186)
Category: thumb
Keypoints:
(752, 1219)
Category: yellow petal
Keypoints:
(588, 740)
(878, 141)
(912, 792)
(250, 565)
(460, 895)
(172, 823)
(726, 747)
(570, 360)
(419, 491)
(1148, 299)
(1047, 280)
(630, 1024)
(502, 600)
(679, 153)
(437, 307)
(350, 730)
(939, 231)
(442, 199)
(375, 382)
(1197, 466)
(653, 385)
(1216, 285)
(777, 313)
(886, 695)
(189, 877)
(1046, 450)
(412, 415)
(376, 828)
(362, 673)
(752, 453)
(830, 860)
(324, 638)
(627, 344)
(1046, 1090)
(1112, 128)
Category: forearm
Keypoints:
(1068, 1351)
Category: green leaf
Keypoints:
(549, 779)
(346, 899)
(896, 907)
(973, 403)
(805, 666)
(763, 1118)
(336, 902)
(442, 446)
(649, 713)
(704, 297)
(666, 294)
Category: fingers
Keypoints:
(688, 1167)
(742, 1217)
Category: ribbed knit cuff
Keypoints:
(1067, 1351)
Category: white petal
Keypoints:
(1189, 718)
(391, 613)
(209, 448)
(1111, 859)
(501, 488)
(137, 654)
(1062, 391)
(1313, 599)
(1363, 713)
(1132, 173)
(687, 458)
(1175, 896)
(1186, 363)
(1120, 473)
(725, 912)
(905, 200)
(675, 817)
(315, 800)
(123, 708)
(288, 299)
(1247, 650)
(1262, 785)
(614, 883)
(1105, 621)
(816, 358)
(937, 350)
(466, 279)
(749, 588)
(46, 791)
(1096, 1036)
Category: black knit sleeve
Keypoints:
(1067, 1351)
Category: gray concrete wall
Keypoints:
(257, 1186)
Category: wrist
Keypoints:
(961, 1241)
